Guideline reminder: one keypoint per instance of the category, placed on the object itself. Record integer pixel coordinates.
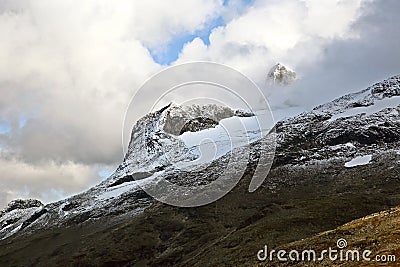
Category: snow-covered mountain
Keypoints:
(171, 140)
(167, 143)
(281, 75)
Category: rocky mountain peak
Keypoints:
(387, 88)
(155, 141)
(281, 75)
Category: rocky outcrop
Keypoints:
(23, 204)
(281, 75)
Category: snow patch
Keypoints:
(358, 161)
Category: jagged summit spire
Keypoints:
(281, 75)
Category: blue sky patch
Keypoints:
(104, 173)
(22, 122)
(246, 2)
(5, 127)
(169, 52)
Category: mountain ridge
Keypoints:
(309, 179)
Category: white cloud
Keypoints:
(331, 19)
(48, 182)
(170, 18)
(71, 69)
(294, 32)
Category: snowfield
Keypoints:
(231, 133)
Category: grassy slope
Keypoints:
(379, 233)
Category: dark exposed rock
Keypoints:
(23, 204)
(198, 124)
(196, 118)
(9, 222)
(33, 218)
(70, 206)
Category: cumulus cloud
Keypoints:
(170, 18)
(294, 32)
(334, 46)
(68, 71)
(352, 64)
(25, 180)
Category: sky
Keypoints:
(69, 69)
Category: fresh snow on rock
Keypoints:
(377, 106)
(387, 91)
